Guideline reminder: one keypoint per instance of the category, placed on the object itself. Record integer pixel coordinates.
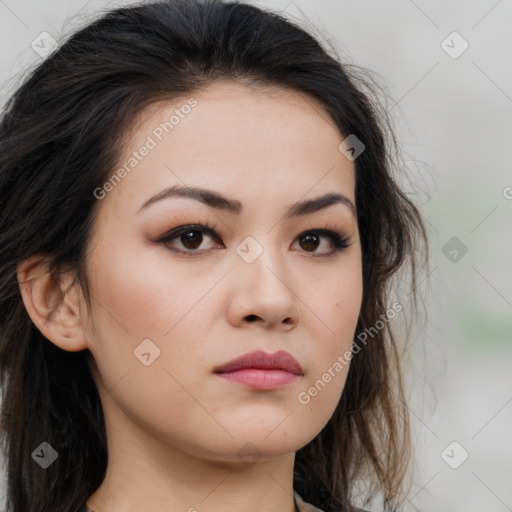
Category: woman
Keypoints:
(199, 227)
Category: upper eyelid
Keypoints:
(336, 236)
(211, 229)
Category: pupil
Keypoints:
(189, 238)
(310, 237)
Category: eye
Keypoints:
(310, 240)
(191, 236)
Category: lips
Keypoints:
(261, 360)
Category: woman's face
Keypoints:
(166, 314)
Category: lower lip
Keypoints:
(260, 379)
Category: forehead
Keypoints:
(248, 142)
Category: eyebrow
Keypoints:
(218, 201)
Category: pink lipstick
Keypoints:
(260, 370)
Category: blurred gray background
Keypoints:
(447, 70)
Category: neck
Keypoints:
(153, 476)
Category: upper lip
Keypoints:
(258, 359)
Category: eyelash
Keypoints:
(337, 240)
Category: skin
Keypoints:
(175, 429)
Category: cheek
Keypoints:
(136, 290)
(339, 304)
(140, 316)
(332, 329)
(138, 297)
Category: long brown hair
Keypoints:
(60, 136)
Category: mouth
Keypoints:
(260, 370)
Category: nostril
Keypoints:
(251, 318)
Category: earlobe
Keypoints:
(51, 303)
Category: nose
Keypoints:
(263, 294)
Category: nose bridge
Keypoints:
(262, 285)
(261, 266)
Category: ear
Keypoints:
(52, 304)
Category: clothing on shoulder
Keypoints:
(302, 506)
